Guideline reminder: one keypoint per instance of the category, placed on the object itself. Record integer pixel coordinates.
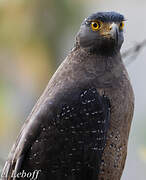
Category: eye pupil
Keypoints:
(95, 25)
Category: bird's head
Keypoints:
(102, 32)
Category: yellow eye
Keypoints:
(121, 25)
(95, 25)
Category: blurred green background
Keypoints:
(35, 37)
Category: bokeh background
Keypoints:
(35, 37)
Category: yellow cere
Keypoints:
(95, 25)
(121, 25)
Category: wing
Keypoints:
(65, 139)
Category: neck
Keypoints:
(103, 68)
(106, 49)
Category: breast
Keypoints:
(122, 105)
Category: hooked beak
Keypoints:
(114, 31)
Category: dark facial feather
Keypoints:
(106, 17)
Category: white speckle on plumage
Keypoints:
(80, 142)
(110, 135)
(116, 138)
(73, 132)
(118, 150)
(83, 102)
(111, 146)
(73, 170)
(72, 127)
(94, 131)
(63, 114)
(85, 92)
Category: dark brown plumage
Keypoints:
(79, 128)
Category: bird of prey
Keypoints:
(79, 128)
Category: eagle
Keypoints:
(79, 128)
